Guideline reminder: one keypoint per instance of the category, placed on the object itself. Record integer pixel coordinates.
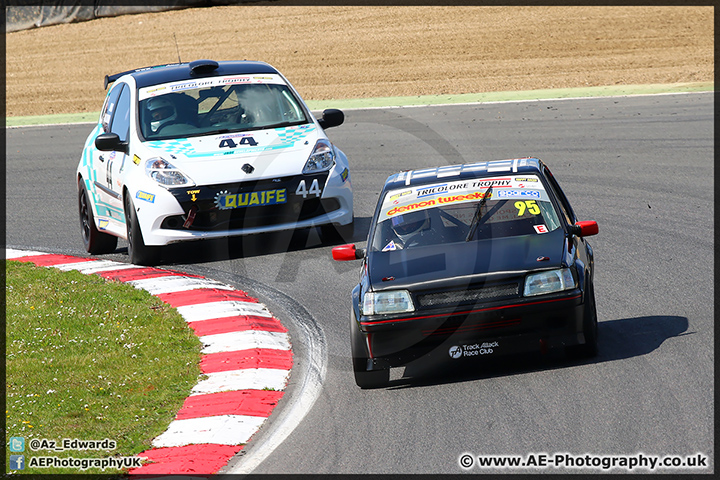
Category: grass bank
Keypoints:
(90, 359)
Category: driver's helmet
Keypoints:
(410, 223)
(161, 111)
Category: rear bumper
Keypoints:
(486, 331)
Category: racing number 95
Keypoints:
(528, 205)
(314, 189)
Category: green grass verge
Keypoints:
(90, 359)
(359, 103)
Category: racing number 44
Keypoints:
(314, 189)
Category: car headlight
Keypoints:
(381, 303)
(165, 173)
(322, 158)
(548, 282)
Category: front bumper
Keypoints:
(243, 208)
(483, 331)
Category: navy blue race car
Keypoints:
(470, 261)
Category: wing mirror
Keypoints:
(110, 142)
(585, 229)
(344, 253)
(332, 117)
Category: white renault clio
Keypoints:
(208, 149)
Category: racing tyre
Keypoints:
(337, 233)
(139, 253)
(95, 241)
(363, 378)
(588, 349)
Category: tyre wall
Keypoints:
(22, 17)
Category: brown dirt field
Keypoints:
(338, 52)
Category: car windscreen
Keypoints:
(217, 105)
(463, 211)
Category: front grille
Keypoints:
(238, 205)
(472, 295)
(218, 220)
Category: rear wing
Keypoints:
(111, 78)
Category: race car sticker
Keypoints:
(435, 190)
(486, 348)
(156, 90)
(433, 195)
(109, 169)
(148, 197)
(238, 143)
(449, 187)
(540, 228)
(390, 247)
(436, 202)
(344, 174)
(529, 205)
(153, 90)
(291, 135)
(411, 207)
(455, 352)
(224, 200)
(401, 194)
(174, 146)
(103, 223)
(136, 160)
(230, 143)
(193, 194)
(518, 193)
(234, 80)
(314, 189)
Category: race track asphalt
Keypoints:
(642, 166)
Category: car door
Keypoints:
(109, 165)
(583, 251)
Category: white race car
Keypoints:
(208, 149)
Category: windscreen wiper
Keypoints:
(476, 218)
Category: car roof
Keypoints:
(185, 71)
(466, 171)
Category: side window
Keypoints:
(109, 106)
(562, 200)
(121, 118)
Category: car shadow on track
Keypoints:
(617, 340)
(247, 246)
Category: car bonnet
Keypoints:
(463, 263)
(220, 158)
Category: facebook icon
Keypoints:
(17, 462)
